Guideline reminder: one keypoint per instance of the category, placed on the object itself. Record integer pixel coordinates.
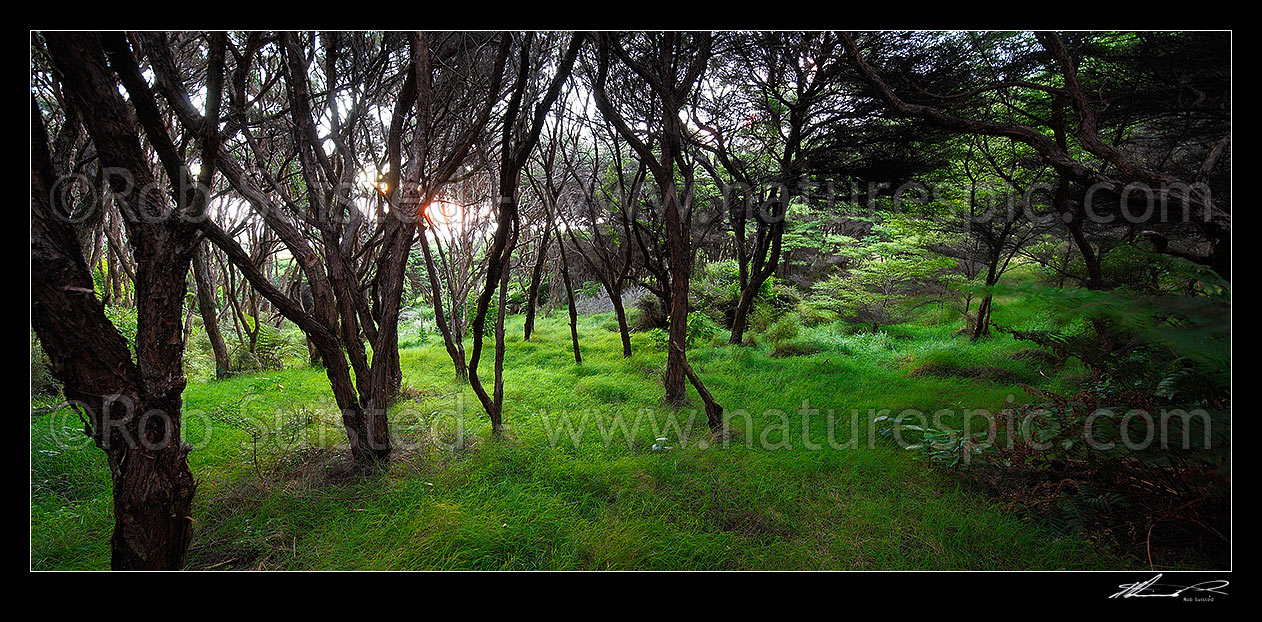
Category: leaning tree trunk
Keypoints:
(205, 283)
(454, 348)
(536, 276)
(981, 327)
(623, 330)
(569, 296)
(740, 318)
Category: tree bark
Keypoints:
(455, 348)
(569, 297)
(536, 276)
(132, 408)
(204, 280)
(623, 330)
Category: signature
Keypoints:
(1151, 588)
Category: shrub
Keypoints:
(271, 350)
(42, 381)
(515, 303)
(812, 314)
(715, 289)
(700, 328)
(124, 319)
(782, 296)
(783, 330)
(761, 317)
(658, 338)
(244, 360)
(650, 313)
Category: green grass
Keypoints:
(540, 499)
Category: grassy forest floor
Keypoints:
(542, 500)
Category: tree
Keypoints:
(607, 247)
(787, 96)
(1042, 84)
(671, 64)
(131, 407)
(342, 316)
(516, 143)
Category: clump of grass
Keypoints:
(784, 329)
(1036, 356)
(979, 372)
(796, 347)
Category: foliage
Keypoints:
(1173, 344)
(650, 313)
(272, 349)
(589, 289)
(42, 381)
(1096, 463)
(715, 289)
(515, 300)
(124, 319)
(874, 294)
(783, 330)
(701, 330)
(812, 313)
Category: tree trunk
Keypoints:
(536, 276)
(454, 348)
(153, 491)
(623, 330)
(740, 318)
(497, 394)
(982, 326)
(569, 296)
(713, 411)
(131, 407)
(204, 280)
(680, 260)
